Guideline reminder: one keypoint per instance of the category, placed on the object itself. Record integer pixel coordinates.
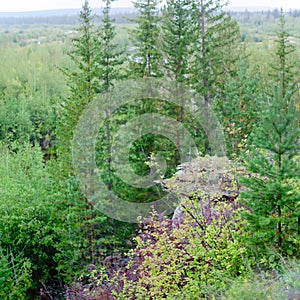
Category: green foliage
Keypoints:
(83, 81)
(30, 85)
(278, 285)
(188, 261)
(110, 60)
(26, 120)
(29, 72)
(145, 61)
(96, 66)
(258, 27)
(28, 215)
(215, 40)
(239, 107)
(49, 231)
(46, 229)
(109, 57)
(284, 69)
(273, 203)
(216, 36)
(15, 276)
(15, 123)
(144, 148)
(176, 38)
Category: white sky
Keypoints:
(30, 5)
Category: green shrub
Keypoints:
(272, 285)
(15, 276)
(186, 262)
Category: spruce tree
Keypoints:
(272, 200)
(215, 50)
(216, 37)
(110, 60)
(145, 61)
(95, 59)
(83, 83)
(239, 106)
(176, 38)
(175, 41)
(284, 68)
(146, 58)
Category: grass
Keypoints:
(284, 285)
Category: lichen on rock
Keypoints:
(206, 181)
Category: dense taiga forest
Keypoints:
(235, 231)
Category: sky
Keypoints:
(31, 5)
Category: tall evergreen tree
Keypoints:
(175, 44)
(110, 61)
(284, 68)
(176, 38)
(239, 106)
(145, 61)
(216, 39)
(214, 54)
(83, 83)
(96, 61)
(273, 202)
(109, 58)
(146, 58)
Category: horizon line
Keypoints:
(132, 7)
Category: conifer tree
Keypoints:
(272, 200)
(216, 36)
(176, 38)
(94, 59)
(239, 106)
(109, 58)
(215, 50)
(146, 58)
(110, 61)
(175, 41)
(83, 83)
(284, 68)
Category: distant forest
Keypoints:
(121, 16)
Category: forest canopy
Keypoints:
(199, 110)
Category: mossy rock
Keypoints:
(202, 184)
(216, 177)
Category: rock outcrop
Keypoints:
(206, 181)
